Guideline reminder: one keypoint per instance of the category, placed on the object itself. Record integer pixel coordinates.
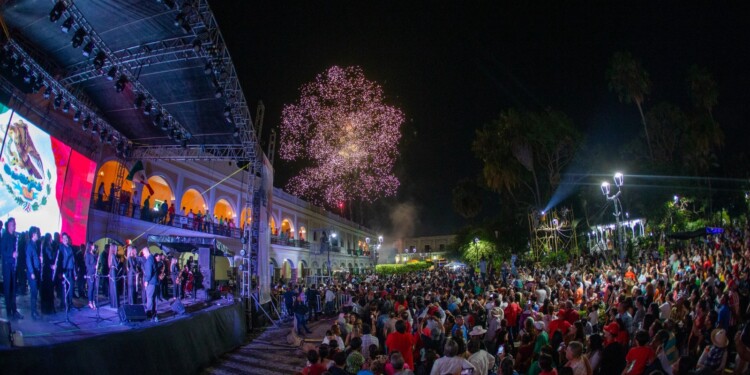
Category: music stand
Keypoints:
(98, 318)
(66, 290)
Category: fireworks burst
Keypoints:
(343, 128)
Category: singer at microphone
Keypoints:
(67, 267)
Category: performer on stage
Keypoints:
(33, 268)
(185, 280)
(133, 265)
(102, 269)
(174, 273)
(149, 283)
(49, 266)
(9, 251)
(66, 268)
(91, 259)
(161, 271)
(114, 298)
(80, 270)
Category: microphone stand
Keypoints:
(98, 318)
(66, 290)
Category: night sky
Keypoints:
(452, 67)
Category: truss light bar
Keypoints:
(78, 38)
(57, 11)
(67, 25)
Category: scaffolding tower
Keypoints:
(552, 232)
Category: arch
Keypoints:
(224, 210)
(302, 234)
(272, 225)
(162, 192)
(286, 269)
(287, 227)
(107, 174)
(315, 265)
(246, 216)
(193, 200)
(273, 262)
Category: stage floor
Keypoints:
(54, 328)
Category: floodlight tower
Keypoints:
(615, 198)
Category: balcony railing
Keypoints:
(178, 221)
(278, 240)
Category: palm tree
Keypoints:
(703, 89)
(631, 83)
(467, 199)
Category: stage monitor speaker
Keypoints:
(132, 313)
(178, 307)
(5, 334)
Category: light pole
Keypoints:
(615, 198)
(476, 251)
(330, 243)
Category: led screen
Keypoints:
(43, 182)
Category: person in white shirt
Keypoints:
(481, 360)
(451, 363)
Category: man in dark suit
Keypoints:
(33, 267)
(10, 261)
(149, 283)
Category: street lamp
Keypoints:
(615, 198)
(476, 249)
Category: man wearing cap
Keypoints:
(613, 355)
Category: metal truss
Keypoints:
(112, 60)
(88, 111)
(190, 153)
(136, 57)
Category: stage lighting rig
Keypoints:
(88, 49)
(209, 68)
(219, 93)
(77, 116)
(236, 133)
(67, 25)
(103, 135)
(139, 100)
(227, 112)
(57, 102)
(197, 45)
(38, 84)
(157, 119)
(57, 11)
(111, 73)
(121, 83)
(95, 128)
(78, 37)
(66, 106)
(86, 123)
(165, 125)
(28, 75)
(147, 108)
(47, 93)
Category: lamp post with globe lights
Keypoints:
(615, 198)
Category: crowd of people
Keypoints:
(683, 312)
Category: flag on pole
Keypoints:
(138, 174)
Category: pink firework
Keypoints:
(348, 134)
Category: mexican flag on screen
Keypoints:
(138, 174)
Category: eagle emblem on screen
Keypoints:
(23, 173)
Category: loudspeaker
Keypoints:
(206, 264)
(132, 313)
(178, 307)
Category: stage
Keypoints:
(177, 343)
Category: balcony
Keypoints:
(126, 209)
(285, 241)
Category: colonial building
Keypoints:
(421, 248)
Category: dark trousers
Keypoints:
(33, 291)
(131, 288)
(91, 284)
(9, 288)
(150, 299)
(176, 291)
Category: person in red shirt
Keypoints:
(630, 274)
(401, 342)
(315, 366)
(559, 324)
(639, 356)
(512, 311)
(571, 315)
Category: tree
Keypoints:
(467, 199)
(524, 154)
(630, 81)
(343, 129)
(703, 89)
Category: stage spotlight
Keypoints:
(87, 49)
(77, 116)
(178, 19)
(165, 125)
(227, 111)
(157, 119)
(99, 60)
(78, 37)
(66, 107)
(197, 45)
(38, 84)
(186, 26)
(219, 93)
(147, 109)
(111, 73)
(67, 25)
(57, 11)
(223, 75)
(86, 123)
(95, 128)
(236, 133)
(120, 84)
(171, 134)
(57, 102)
(103, 135)
(183, 143)
(47, 93)
(139, 100)
(28, 75)
(209, 68)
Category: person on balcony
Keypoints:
(134, 203)
(191, 218)
(146, 209)
(170, 211)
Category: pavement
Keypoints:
(275, 351)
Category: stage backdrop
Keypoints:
(43, 182)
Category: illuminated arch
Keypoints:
(107, 174)
(246, 216)
(104, 241)
(223, 209)
(302, 234)
(287, 227)
(286, 269)
(272, 226)
(192, 199)
(162, 192)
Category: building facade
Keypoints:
(421, 248)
